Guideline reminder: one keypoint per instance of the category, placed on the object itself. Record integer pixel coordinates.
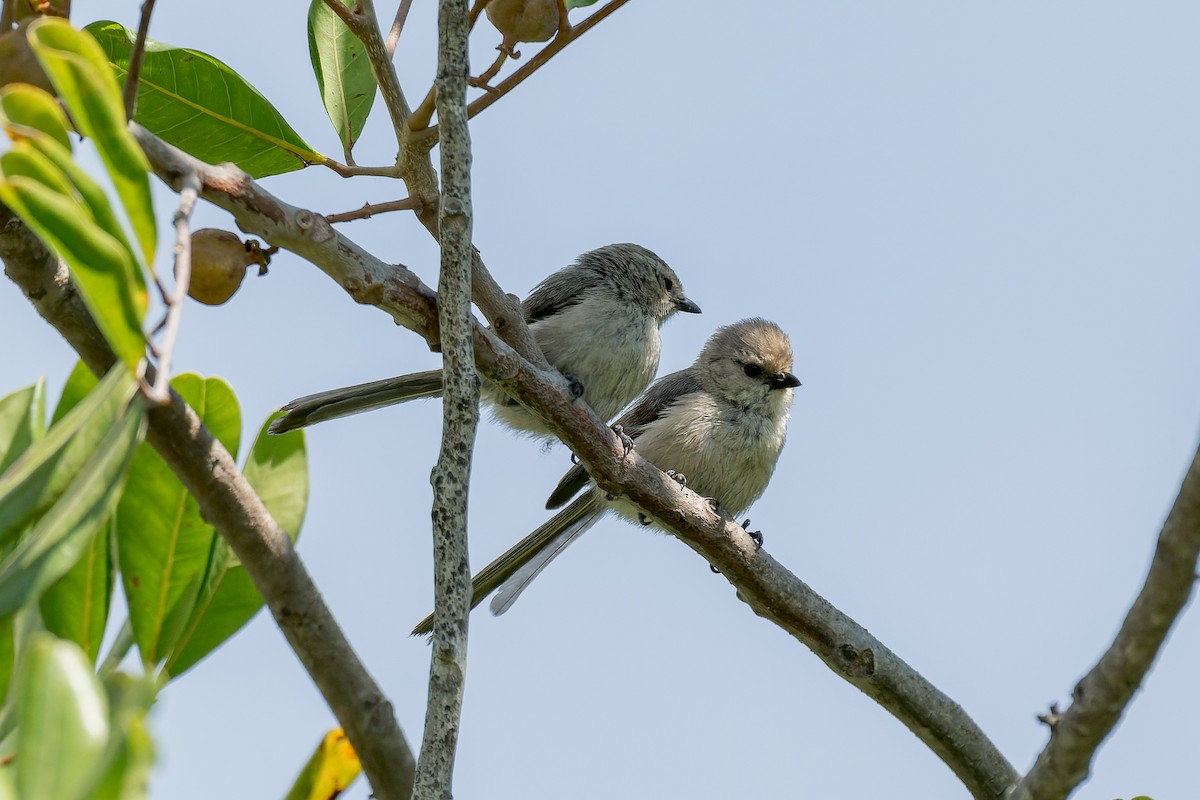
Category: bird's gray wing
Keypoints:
(560, 290)
(647, 409)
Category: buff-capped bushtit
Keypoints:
(596, 321)
(720, 423)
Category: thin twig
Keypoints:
(564, 38)
(476, 10)
(1103, 694)
(424, 113)
(371, 209)
(486, 76)
(351, 170)
(393, 37)
(188, 193)
(135, 60)
(460, 418)
(7, 15)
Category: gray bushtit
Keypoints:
(720, 423)
(596, 321)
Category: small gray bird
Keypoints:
(721, 423)
(596, 321)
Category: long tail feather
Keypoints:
(511, 589)
(337, 403)
(512, 570)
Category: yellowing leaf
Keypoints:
(333, 766)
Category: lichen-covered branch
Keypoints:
(1101, 697)
(768, 587)
(460, 419)
(231, 505)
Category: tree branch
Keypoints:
(352, 170)
(188, 195)
(230, 504)
(1101, 697)
(129, 91)
(770, 589)
(460, 419)
(565, 37)
(369, 210)
(393, 37)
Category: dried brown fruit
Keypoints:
(524, 20)
(219, 262)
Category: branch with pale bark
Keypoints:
(1103, 694)
(460, 419)
(227, 501)
(768, 587)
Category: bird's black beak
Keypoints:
(784, 380)
(687, 306)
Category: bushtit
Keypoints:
(720, 424)
(596, 321)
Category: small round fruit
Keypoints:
(524, 20)
(219, 262)
(18, 64)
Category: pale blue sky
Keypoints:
(978, 224)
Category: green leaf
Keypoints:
(79, 70)
(79, 384)
(344, 76)
(201, 106)
(76, 607)
(278, 470)
(24, 107)
(91, 193)
(23, 162)
(62, 721)
(8, 652)
(37, 479)
(60, 537)
(163, 544)
(580, 4)
(132, 752)
(109, 281)
(22, 421)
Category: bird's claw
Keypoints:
(678, 477)
(626, 440)
(755, 536)
(642, 518)
(575, 385)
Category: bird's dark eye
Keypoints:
(668, 284)
(752, 370)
